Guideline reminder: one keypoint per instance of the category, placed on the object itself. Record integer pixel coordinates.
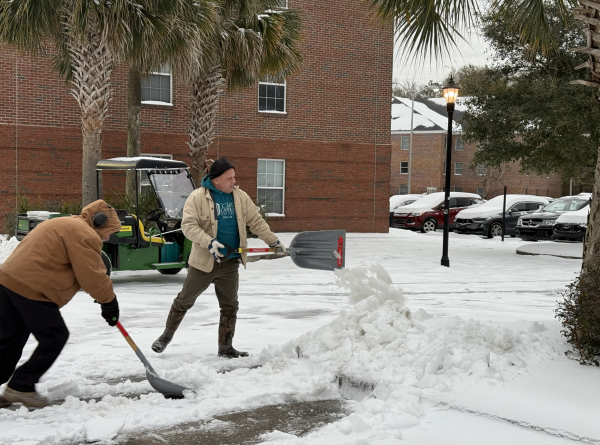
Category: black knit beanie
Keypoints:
(219, 167)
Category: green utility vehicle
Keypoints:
(163, 247)
(135, 247)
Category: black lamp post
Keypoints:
(450, 93)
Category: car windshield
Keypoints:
(172, 190)
(566, 205)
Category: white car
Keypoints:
(401, 200)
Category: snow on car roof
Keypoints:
(495, 205)
(397, 200)
(434, 199)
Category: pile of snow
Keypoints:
(576, 217)
(7, 247)
(495, 205)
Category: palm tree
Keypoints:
(253, 39)
(430, 26)
(89, 38)
(178, 43)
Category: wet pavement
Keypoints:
(246, 427)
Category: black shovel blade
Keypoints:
(169, 389)
(321, 250)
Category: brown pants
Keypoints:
(225, 275)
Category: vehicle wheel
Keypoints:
(106, 261)
(495, 230)
(429, 225)
(513, 236)
(169, 271)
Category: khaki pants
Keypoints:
(225, 275)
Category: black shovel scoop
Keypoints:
(168, 389)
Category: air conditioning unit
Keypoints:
(431, 190)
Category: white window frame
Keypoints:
(456, 167)
(404, 162)
(458, 188)
(400, 189)
(282, 188)
(481, 170)
(457, 144)
(286, 5)
(480, 191)
(402, 139)
(158, 102)
(284, 84)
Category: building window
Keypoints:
(271, 185)
(458, 168)
(480, 191)
(157, 87)
(481, 169)
(404, 168)
(459, 144)
(445, 142)
(280, 3)
(271, 95)
(444, 168)
(404, 190)
(405, 143)
(458, 189)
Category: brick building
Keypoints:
(318, 146)
(430, 126)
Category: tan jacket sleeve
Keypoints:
(89, 269)
(256, 223)
(191, 224)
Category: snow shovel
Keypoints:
(321, 250)
(168, 389)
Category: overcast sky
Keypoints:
(424, 71)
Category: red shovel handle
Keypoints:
(126, 335)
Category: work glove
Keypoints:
(213, 248)
(110, 311)
(280, 248)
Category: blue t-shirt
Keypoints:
(227, 231)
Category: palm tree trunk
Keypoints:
(589, 14)
(204, 106)
(92, 68)
(591, 249)
(134, 105)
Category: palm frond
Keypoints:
(28, 23)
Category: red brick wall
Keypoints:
(335, 136)
(428, 159)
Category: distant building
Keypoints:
(430, 127)
(315, 148)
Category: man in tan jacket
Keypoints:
(215, 215)
(58, 258)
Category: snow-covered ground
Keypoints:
(469, 354)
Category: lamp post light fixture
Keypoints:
(450, 94)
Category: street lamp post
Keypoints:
(450, 93)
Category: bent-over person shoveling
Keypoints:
(44, 272)
(215, 216)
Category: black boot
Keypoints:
(226, 332)
(173, 320)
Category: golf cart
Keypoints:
(163, 247)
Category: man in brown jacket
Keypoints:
(54, 261)
(216, 214)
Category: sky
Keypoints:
(471, 52)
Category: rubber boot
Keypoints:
(31, 400)
(173, 320)
(226, 332)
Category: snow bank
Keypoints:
(576, 217)
(6, 248)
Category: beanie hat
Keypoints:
(219, 167)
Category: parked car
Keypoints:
(486, 220)
(399, 201)
(427, 214)
(571, 226)
(539, 225)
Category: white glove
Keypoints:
(213, 248)
(278, 245)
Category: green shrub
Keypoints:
(263, 214)
(579, 314)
